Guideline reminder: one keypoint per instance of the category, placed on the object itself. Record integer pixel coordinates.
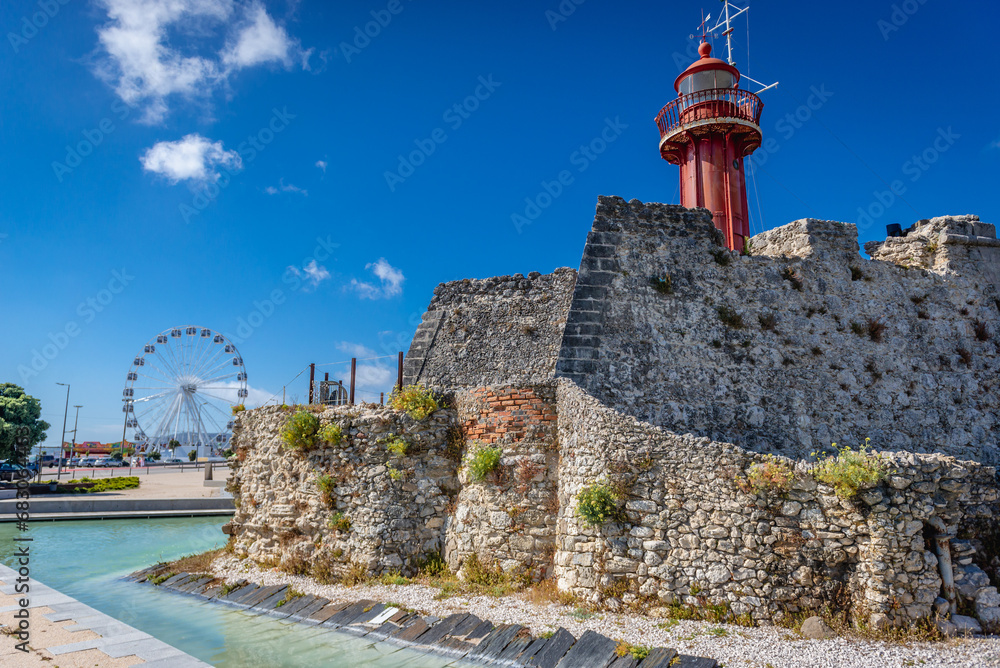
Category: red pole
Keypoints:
(381, 398)
(354, 368)
(312, 380)
(399, 372)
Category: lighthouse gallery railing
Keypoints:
(706, 104)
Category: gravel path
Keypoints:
(733, 646)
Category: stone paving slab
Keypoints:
(458, 636)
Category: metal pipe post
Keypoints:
(354, 369)
(312, 380)
(399, 372)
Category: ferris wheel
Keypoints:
(182, 387)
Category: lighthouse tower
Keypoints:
(708, 130)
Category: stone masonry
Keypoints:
(666, 369)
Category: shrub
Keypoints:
(721, 257)
(300, 432)
(597, 504)
(981, 330)
(108, 484)
(331, 434)
(859, 329)
(792, 277)
(192, 455)
(747, 247)
(767, 321)
(664, 286)
(637, 652)
(850, 470)
(397, 445)
(766, 476)
(857, 274)
(415, 400)
(325, 484)
(876, 328)
(730, 318)
(483, 460)
(395, 474)
(964, 355)
(339, 522)
(238, 408)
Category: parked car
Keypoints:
(10, 472)
(173, 460)
(88, 462)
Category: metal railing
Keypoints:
(718, 103)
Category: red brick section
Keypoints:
(509, 411)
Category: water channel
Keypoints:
(86, 559)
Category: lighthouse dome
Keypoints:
(706, 73)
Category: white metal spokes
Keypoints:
(182, 387)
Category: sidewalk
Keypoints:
(69, 634)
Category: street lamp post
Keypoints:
(72, 448)
(63, 440)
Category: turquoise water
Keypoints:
(86, 560)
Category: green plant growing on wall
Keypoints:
(415, 400)
(850, 470)
(397, 445)
(300, 431)
(793, 277)
(238, 408)
(326, 483)
(770, 475)
(730, 318)
(482, 460)
(597, 504)
(395, 473)
(747, 247)
(339, 522)
(857, 274)
(331, 434)
(721, 257)
(665, 285)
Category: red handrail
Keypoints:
(712, 103)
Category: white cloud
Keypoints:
(151, 50)
(255, 396)
(260, 40)
(313, 273)
(391, 281)
(192, 158)
(322, 165)
(356, 350)
(285, 188)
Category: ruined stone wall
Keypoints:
(798, 345)
(498, 330)
(509, 517)
(396, 506)
(690, 533)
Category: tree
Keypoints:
(153, 456)
(192, 454)
(20, 417)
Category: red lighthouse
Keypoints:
(708, 130)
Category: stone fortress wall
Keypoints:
(667, 367)
(689, 532)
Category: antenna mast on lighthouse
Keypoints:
(726, 20)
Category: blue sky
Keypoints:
(197, 161)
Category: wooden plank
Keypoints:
(296, 604)
(272, 600)
(624, 662)
(553, 651)
(533, 648)
(347, 615)
(659, 657)
(262, 594)
(592, 650)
